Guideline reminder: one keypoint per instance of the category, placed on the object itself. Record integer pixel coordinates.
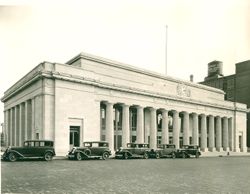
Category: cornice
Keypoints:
(117, 87)
(128, 67)
(123, 88)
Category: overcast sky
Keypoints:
(133, 32)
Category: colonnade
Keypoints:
(19, 123)
(210, 132)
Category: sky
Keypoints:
(128, 31)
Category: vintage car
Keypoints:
(133, 150)
(92, 149)
(164, 150)
(188, 151)
(43, 149)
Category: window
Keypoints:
(95, 145)
(133, 139)
(42, 144)
(87, 144)
(48, 143)
(103, 138)
(159, 122)
(37, 135)
(158, 140)
(133, 117)
(103, 118)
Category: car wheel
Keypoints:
(125, 155)
(12, 157)
(105, 155)
(173, 155)
(48, 156)
(145, 156)
(183, 155)
(79, 156)
(157, 155)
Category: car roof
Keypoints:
(95, 142)
(39, 140)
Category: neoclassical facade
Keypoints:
(92, 98)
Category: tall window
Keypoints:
(103, 117)
(133, 117)
(159, 121)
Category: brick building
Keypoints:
(236, 86)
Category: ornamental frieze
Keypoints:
(183, 90)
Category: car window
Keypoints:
(30, 144)
(42, 143)
(48, 143)
(103, 144)
(36, 143)
(95, 145)
(26, 144)
(87, 145)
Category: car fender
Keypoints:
(128, 152)
(16, 152)
(86, 152)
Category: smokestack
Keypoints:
(192, 78)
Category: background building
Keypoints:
(93, 98)
(236, 86)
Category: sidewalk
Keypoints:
(223, 153)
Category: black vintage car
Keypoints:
(93, 149)
(133, 150)
(188, 151)
(43, 149)
(164, 150)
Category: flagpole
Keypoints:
(166, 49)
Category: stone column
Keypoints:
(6, 127)
(20, 125)
(125, 125)
(15, 127)
(186, 128)
(164, 133)
(153, 129)
(26, 120)
(140, 125)
(176, 129)
(225, 134)
(230, 133)
(211, 134)
(33, 133)
(218, 134)
(195, 134)
(110, 126)
(203, 133)
(10, 127)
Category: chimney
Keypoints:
(192, 78)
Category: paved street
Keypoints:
(203, 175)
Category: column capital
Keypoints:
(125, 105)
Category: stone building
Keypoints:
(92, 98)
(236, 86)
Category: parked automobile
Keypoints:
(91, 149)
(188, 151)
(133, 150)
(43, 149)
(164, 150)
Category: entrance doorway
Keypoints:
(74, 136)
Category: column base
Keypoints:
(204, 149)
(244, 149)
(226, 149)
(219, 149)
(212, 149)
(236, 149)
